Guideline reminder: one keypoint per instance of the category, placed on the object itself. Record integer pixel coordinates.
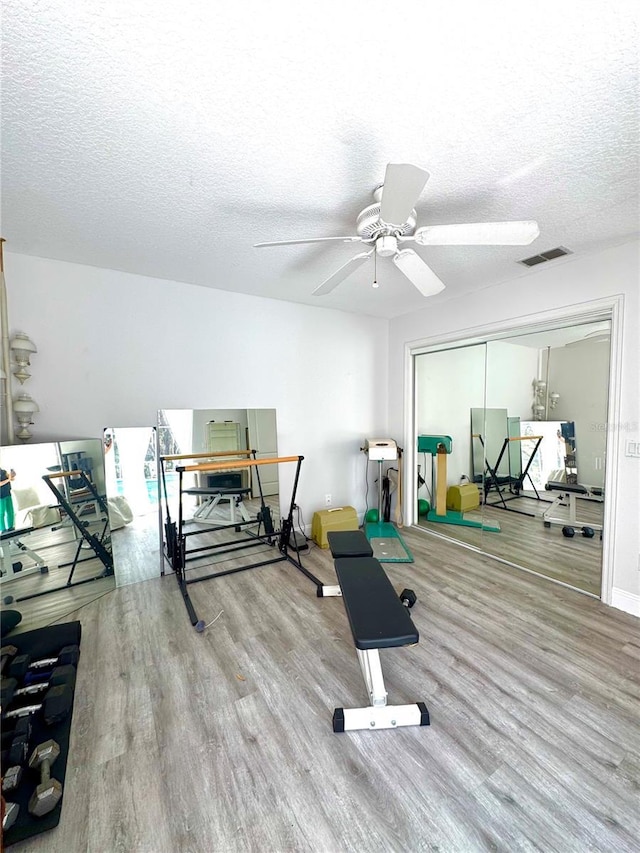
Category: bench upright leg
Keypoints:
(372, 674)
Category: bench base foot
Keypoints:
(327, 590)
(384, 717)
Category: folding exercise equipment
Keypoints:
(170, 541)
(568, 495)
(378, 620)
(439, 447)
(214, 497)
(515, 484)
(98, 544)
(388, 546)
(12, 547)
(269, 537)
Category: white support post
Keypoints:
(7, 435)
(372, 673)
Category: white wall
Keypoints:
(511, 369)
(451, 382)
(114, 348)
(580, 374)
(574, 280)
(448, 384)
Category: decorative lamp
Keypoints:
(24, 408)
(21, 348)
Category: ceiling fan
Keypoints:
(391, 221)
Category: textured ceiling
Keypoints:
(165, 139)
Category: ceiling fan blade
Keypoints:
(339, 275)
(478, 234)
(402, 186)
(311, 240)
(418, 273)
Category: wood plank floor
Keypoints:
(222, 741)
(527, 542)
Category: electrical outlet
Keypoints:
(327, 500)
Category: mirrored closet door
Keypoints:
(526, 481)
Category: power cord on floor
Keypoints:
(209, 624)
(302, 527)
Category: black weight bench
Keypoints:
(349, 543)
(378, 620)
(568, 494)
(344, 543)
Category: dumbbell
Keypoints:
(10, 814)
(56, 705)
(408, 598)
(9, 689)
(19, 741)
(21, 664)
(11, 779)
(48, 793)
(8, 653)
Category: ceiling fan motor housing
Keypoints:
(369, 226)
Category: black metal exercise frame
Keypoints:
(96, 543)
(269, 537)
(514, 484)
(170, 543)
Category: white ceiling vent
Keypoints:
(551, 255)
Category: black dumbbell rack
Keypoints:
(39, 644)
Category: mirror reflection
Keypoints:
(220, 496)
(131, 472)
(55, 538)
(526, 465)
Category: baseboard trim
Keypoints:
(627, 601)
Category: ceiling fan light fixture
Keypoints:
(386, 246)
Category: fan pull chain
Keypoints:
(375, 269)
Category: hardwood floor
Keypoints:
(527, 542)
(222, 741)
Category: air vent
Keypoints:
(551, 255)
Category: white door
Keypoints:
(263, 439)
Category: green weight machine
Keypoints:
(439, 447)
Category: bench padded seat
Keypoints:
(349, 543)
(377, 617)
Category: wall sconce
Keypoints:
(21, 348)
(24, 408)
(543, 402)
